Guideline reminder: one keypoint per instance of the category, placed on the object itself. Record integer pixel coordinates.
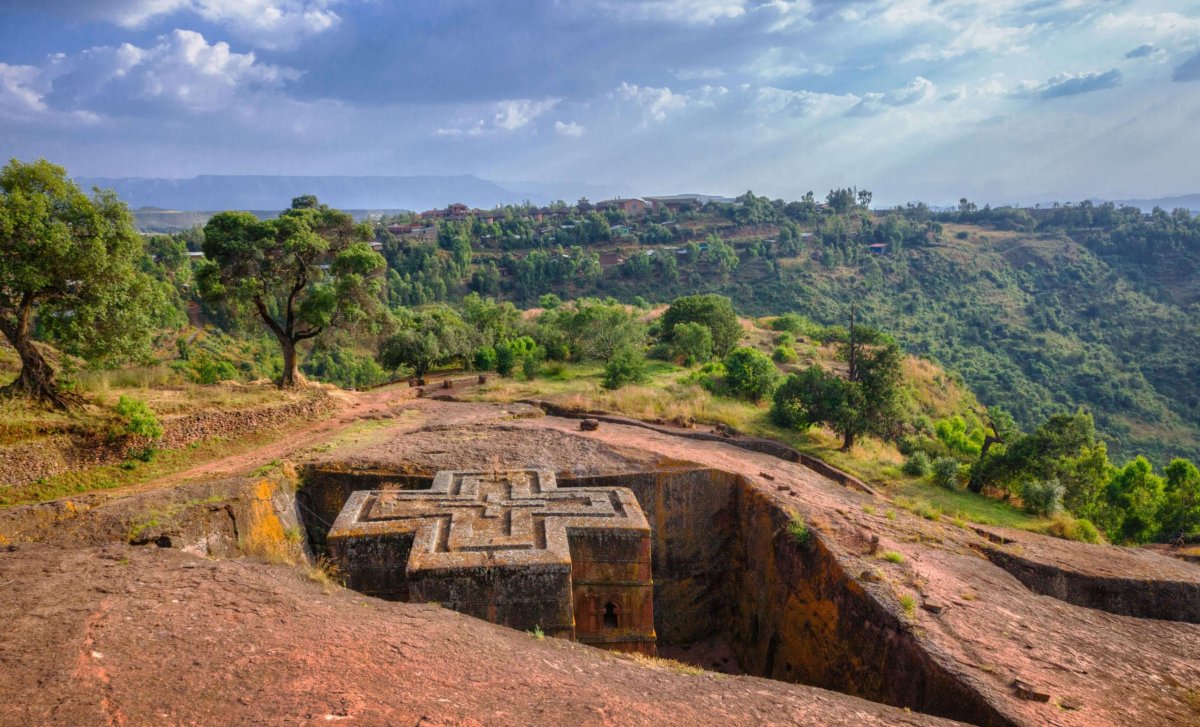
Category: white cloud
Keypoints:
(700, 12)
(514, 114)
(18, 92)
(807, 104)
(917, 90)
(569, 129)
(182, 70)
(262, 23)
(658, 103)
(1069, 84)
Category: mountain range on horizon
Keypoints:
(267, 192)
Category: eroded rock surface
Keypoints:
(149, 636)
(954, 621)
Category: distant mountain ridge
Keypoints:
(1189, 202)
(265, 192)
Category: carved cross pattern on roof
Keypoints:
(469, 518)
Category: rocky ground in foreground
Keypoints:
(1020, 628)
(123, 635)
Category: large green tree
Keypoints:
(69, 272)
(303, 273)
(433, 336)
(864, 402)
(712, 311)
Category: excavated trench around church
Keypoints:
(733, 591)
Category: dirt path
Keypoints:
(353, 407)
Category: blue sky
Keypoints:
(1002, 101)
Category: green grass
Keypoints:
(798, 531)
(909, 604)
(107, 477)
(892, 556)
(663, 397)
(967, 506)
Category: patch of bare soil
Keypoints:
(148, 636)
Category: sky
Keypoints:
(1001, 101)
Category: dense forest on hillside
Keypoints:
(1038, 310)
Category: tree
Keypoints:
(627, 366)
(692, 342)
(303, 273)
(69, 270)
(808, 398)
(1180, 517)
(715, 312)
(1132, 501)
(865, 402)
(1063, 448)
(436, 335)
(596, 330)
(750, 373)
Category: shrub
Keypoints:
(139, 419)
(917, 465)
(784, 354)
(785, 339)
(627, 366)
(710, 377)
(485, 359)
(345, 368)
(944, 472)
(505, 360)
(750, 374)
(549, 301)
(1042, 497)
(141, 422)
(892, 556)
(1070, 528)
(962, 234)
(531, 365)
(790, 322)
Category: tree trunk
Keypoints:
(291, 375)
(847, 441)
(36, 380)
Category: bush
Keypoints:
(791, 322)
(627, 366)
(944, 472)
(962, 234)
(710, 377)
(750, 374)
(1081, 529)
(139, 419)
(141, 422)
(485, 359)
(785, 339)
(1042, 497)
(345, 368)
(784, 354)
(531, 365)
(917, 465)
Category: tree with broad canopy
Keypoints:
(69, 273)
(303, 273)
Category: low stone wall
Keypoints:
(43, 457)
